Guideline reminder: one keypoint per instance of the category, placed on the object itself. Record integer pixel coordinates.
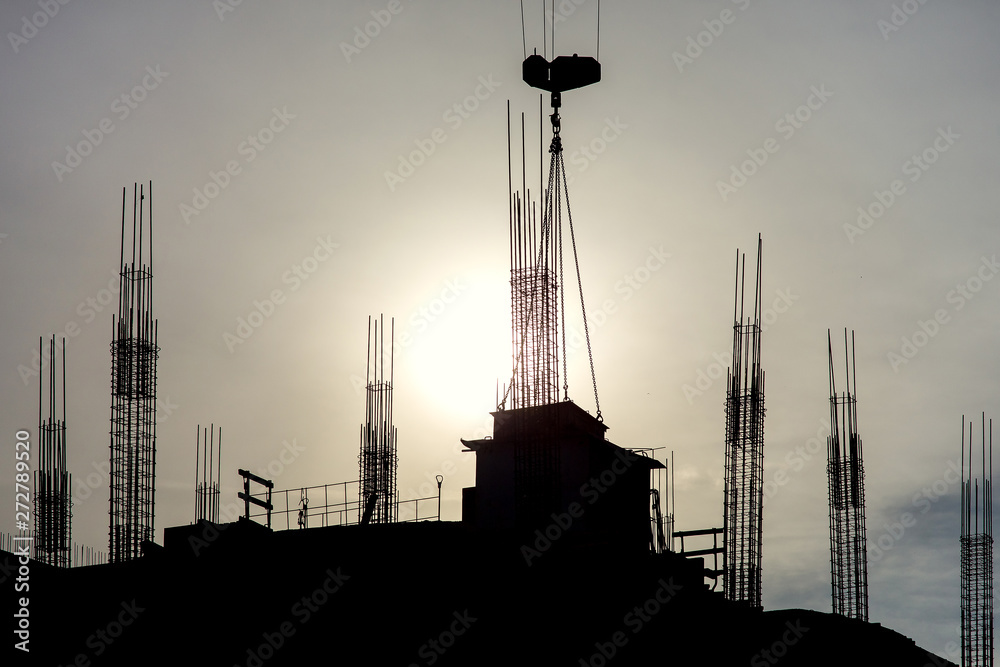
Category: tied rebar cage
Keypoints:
(53, 482)
(378, 462)
(743, 494)
(977, 553)
(534, 310)
(207, 474)
(846, 476)
(134, 354)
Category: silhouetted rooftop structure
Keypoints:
(550, 465)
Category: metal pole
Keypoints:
(440, 479)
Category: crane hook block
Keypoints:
(563, 73)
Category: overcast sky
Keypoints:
(278, 132)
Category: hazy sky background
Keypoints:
(691, 92)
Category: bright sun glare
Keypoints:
(458, 356)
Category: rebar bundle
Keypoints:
(846, 475)
(84, 555)
(378, 494)
(744, 501)
(977, 554)
(534, 301)
(53, 503)
(207, 477)
(134, 353)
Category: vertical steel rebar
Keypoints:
(744, 448)
(976, 543)
(378, 458)
(845, 472)
(134, 353)
(52, 481)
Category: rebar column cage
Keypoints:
(53, 482)
(743, 494)
(134, 354)
(534, 300)
(207, 474)
(846, 481)
(378, 460)
(977, 553)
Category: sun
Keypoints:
(463, 350)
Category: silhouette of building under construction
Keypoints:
(559, 559)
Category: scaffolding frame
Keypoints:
(53, 482)
(377, 493)
(977, 553)
(744, 461)
(252, 499)
(846, 481)
(134, 354)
